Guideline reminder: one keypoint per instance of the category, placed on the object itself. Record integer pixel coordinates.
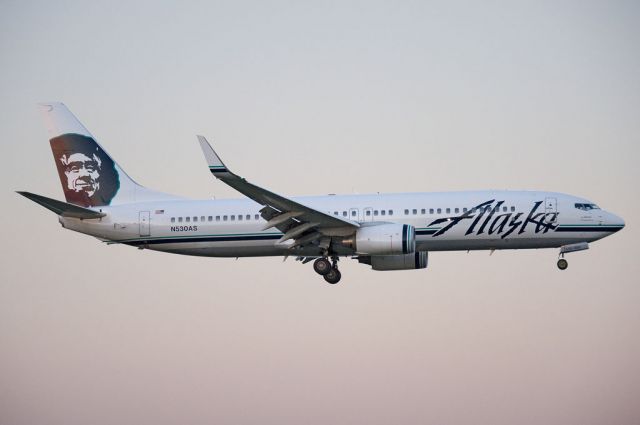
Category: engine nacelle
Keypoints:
(385, 239)
(414, 261)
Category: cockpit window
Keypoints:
(587, 207)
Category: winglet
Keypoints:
(216, 166)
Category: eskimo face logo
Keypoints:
(88, 176)
(82, 172)
(486, 219)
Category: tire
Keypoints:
(333, 276)
(563, 264)
(322, 266)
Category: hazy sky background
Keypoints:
(315, 98)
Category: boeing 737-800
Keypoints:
(385, 231)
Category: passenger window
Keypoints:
(195, 219)
(217, 218)
(202, 218)
(513, 209)
(335, 213)
(187, 219)
(173, 219)
(415, 211)
(457, 210)
(448, 210)
(368, 213)
(210, 218)
(464, 210)
(233, 218)
(257, 217)
(240, 217)
(382, 212)
(430, 210)
(224, 218)
(375, 212)
(344, 213)
(179, 219)
(439, 210)
(248, 217)
(423, 211)
(406, 212)
(390, 212)
(353, 213)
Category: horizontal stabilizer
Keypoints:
(62, 208)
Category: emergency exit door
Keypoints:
(354, 214)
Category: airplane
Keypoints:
(385, 231)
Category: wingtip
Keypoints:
(204, 143)
(47, 106)
(213, 160)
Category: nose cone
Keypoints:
(616, 222)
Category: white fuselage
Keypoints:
(443, 221)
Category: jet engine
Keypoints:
(384, 239)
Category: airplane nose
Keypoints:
(616, 221)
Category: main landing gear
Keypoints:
(328, 270)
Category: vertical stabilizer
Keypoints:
(89, 176)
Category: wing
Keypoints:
(303, 224)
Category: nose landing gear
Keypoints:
(580, 246)
(563, 264)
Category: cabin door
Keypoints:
(551, 209)
(367, 214)
(144, 223)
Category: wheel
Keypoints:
(322, 266)
(563, 264)
(333, 276)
